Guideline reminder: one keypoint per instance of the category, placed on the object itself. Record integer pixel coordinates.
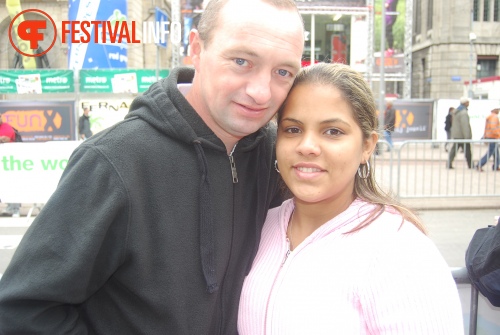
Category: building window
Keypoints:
(486, 11)
(430, 10)
(486, 66)
(496, 10)
(418, 9)
(476, 10)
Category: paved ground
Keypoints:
(452, 230)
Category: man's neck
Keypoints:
(189, 92)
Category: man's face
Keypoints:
(245, 72)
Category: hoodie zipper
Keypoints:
(276, 276)
(234, 174)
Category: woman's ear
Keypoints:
(369, 146)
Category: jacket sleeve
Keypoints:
(72, 247)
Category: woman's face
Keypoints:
(320, 146)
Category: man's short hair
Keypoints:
(210, 16)
(464, 100)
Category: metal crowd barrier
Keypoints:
(461, 277)
(419, 169)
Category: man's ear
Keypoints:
(195, 46)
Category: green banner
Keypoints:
(36, 81)
(118, 81)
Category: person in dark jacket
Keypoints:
(156, 220)
(447, 126)
(84, 125)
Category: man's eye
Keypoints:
(283, 73)
(240, 61)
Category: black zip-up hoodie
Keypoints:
(148, 231)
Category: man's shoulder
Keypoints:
(493, 117)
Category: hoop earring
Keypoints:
(364, 170)
(276, 166)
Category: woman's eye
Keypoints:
(292, 130)
(333, 132)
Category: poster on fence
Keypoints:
(105, 112)
(40, 121)
(31, 171)
(413, 120)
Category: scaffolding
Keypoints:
(408, 49)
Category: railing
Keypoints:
(461, 277)
(418, 169)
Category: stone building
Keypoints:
(452, 44)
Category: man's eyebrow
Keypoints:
(247, 52)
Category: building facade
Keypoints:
(454, 43)
(451, 43)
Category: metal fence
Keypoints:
(419, 169)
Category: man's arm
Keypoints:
(68, 253)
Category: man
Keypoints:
(389, 122)
(491, 132)
(7, 134)
(460, 129)
(156, 220)
(84, 125)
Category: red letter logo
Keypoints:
(33, 35)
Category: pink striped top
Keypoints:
(386, 278)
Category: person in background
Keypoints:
(341, 256)
(460, 129)
(389, 122)
(7, 135)
(447, 126)
(390, 18)
(84, 125)
(491, 132)
(156, 220)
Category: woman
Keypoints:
(341, 257)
